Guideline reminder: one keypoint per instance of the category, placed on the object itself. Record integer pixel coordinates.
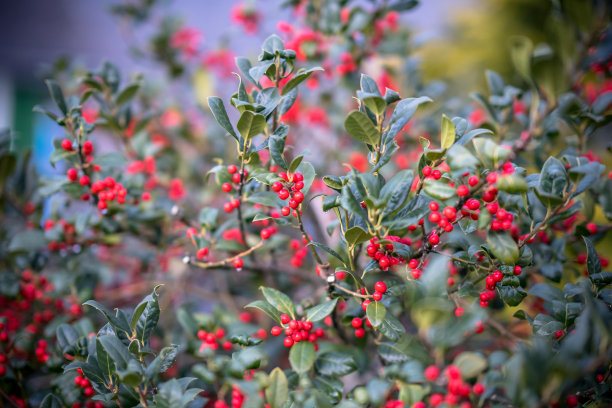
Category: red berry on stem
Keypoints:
(232, 169)
(238, 263)
(380, 286)
(285, 319)
(356, 322)
(426, 171)
(67, 145)
(227, 187)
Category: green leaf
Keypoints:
(51, 401)
(112, 159)
(521, 52)
(503, 247)
(276, 145)
(439, 190)
(251, 124)
(460, 158)
(593, 261)
(376, 313)
(218, 110)
(105, 362)
(267, 308)
(66, 336)
(471, 364)
(172, 394)
(448, 133)
(512, 296)
(295, 163)
(552, 181)
(359, 126)
(512, 183)
(335, 364)
(161, 363)
(403, 112)
(132, 375)
(299, 77)
(328, 250)
(115, 321)
(376, 104)
(396, 191)
(117, 351)
(279, 300)
(277, 390)
(57, 95)
(302, 356)
(356, 235)
(147, 319)
(27, 240)
(320, 312)
(127, 94)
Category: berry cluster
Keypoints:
(444, 219)
(296, 331)
(290, 188)
(237, 399)
(299, 252)
(84, 383)
(214, 340)
(383, 253)
(237, 178)
(503, 219)
(108, 190)
(458, 392)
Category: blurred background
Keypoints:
(37, 34)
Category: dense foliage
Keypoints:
(296, 244)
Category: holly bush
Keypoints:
(319, 237)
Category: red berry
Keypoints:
(72, 174)
(84, 180)
(227, 187)
(228, 207)
(478, 389)
(380, 287)
(472, 181)
(517, 270)
(433, 206)
(359, 333)
(288, 342)
(558, 334)
(285, 211)
(276, 331)
(413, 263)
(571, 401)
(383, 262)
(462, 191)
(434, 239)
(236, 178)
(591, 227)
(340, 275)
(416, 273)
(277, 186)
(238, 263)
(265, 233)
(298, 196)
(202, 252)
(459, 312)
(491, 178)
(377, 296)
(356, 322)
(67, 145)
(283, 194)
(436, 174)
(432, 373)
(426, 171)
(87, 148)
(365, 303)
(232, 169)
(285, 319)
